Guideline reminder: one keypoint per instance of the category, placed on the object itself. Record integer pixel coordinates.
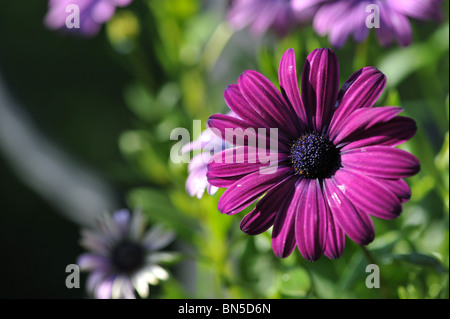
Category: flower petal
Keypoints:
(399, 187)
(335, 237)
(311, 222)
(89, 262)
(263, 215)
(320, 85)
(356, 224)
(157, 237)
(361, 89)
(283, 232)
(240, 132)
(246, 190)
(361, 120)
(287, 75)
(267, 101)
(239, 105)
(391, 133)
(381, 161)
(368, 195)
(242, 160)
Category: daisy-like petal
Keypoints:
(159, 272)
(283, 232)
(238, 132)
(157, 238)
(311, 222)
(399, 187)
(355, 223)
(391, 133)
(394, 23)
(363, 119)
(94, 242)
(267, 101)
(320, 85)
(418, 9)
(141, 286)
(246, 190)
(263, 215)
(241, 160)
(287, 74)
(368, 195)
(90, 261)
(335, 238)
(361, 90)
(239, 105)
(381, 161)
(104, 288)
(94, 279)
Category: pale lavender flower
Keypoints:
(93, 13)
(123, 256)
(342, 19)
(210, 144)
(278, 15)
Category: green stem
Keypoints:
(216, 45)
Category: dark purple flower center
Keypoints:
(314, 156)
(128, 256)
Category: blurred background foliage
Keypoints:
(110, 103)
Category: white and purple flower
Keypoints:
(123, 256)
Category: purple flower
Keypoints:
(262, 15)
(123, 256)
(197, 182)
(340, 19)
(92, 14)
(337, 164)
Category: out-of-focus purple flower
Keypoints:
(341, 19)
(336, 156)
(124, 256)
(277, 15)
(92, 14)
(197, 182)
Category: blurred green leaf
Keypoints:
(419, 259)
(158, 208)
(295, 282)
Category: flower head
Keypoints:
(337, 164)
(277, 15)
(123, 257)
(393, 19)
(92, 14)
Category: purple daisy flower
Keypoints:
(124, 257)
(337, 164)
(262, 15)
(340, 19)
(93, 13)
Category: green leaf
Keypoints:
(295, 282)
(420, 259)
(158, 208)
